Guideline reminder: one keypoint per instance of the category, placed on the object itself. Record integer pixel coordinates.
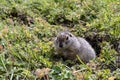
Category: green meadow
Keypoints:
(28, 29)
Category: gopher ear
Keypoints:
(70, 35)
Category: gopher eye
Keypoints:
(67, 38)
(70, 35)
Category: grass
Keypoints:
(28, 28)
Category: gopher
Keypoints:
(69, 46)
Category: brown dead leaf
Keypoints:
(78, 75)
(10, 20)
(42, 72)
(111, 78)
(5, 30)
(1, 47)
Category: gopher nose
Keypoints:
(61, 45)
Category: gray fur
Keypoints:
(75, 46)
